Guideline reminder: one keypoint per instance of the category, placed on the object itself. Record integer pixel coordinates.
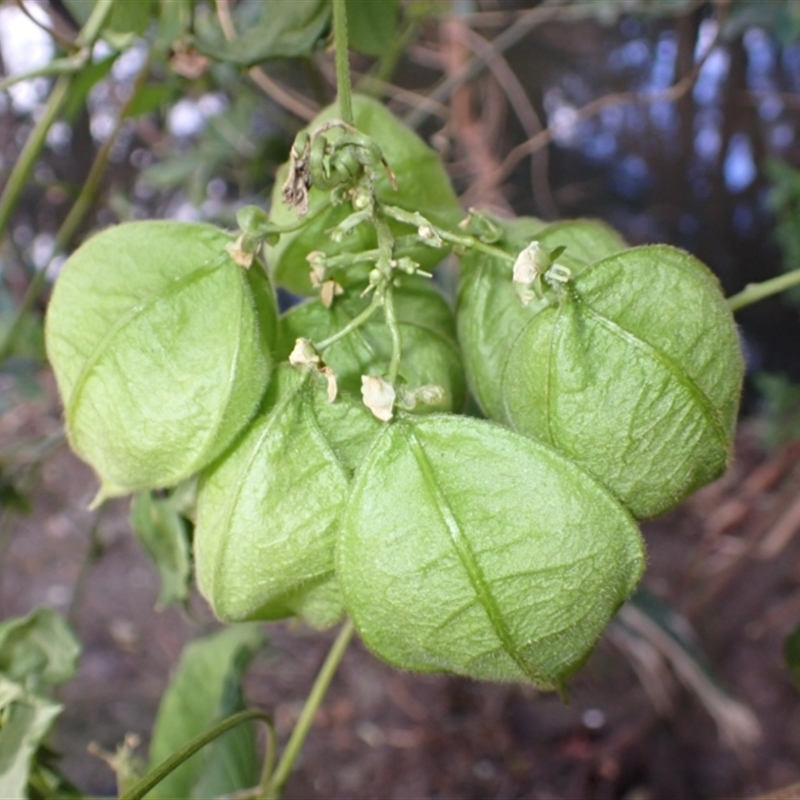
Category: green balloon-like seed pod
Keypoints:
(269, 511)
(632, 367)
(469, 549)
(162, 350)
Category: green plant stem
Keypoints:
(313, 702)
(385, 248)
(76, 214)
(30, 152)
(394, 332)
(33, 146)
(354, 323)
(59, 66)
(343, 86)
(759, 291)
(28, 157)
(157, 774)
(90, 186)
(461, 239)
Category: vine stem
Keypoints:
(76, 214)
(313, 702)
(354, 323)
(760, 291)
(343, 86)
(156, 775)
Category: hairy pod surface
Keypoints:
(469, 549)
(633, 370)
(269, 511)
(430, 351)
(422, 185)
(162, 349)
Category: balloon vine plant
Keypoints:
(339, 474)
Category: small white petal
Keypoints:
(303, 353)
(378, 396)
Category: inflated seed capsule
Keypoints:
(630, 363)
(162, 349)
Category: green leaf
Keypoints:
(84, 82)
(430, 354)
(469, 549)
(174, 20)
(25, 724)
(284, 29)
(38, 650)
(269, 512)
(633, 370)
(149, 98)
(205, 689)
(161, 346)
(422, 185)
(163, 533)
(371, 25)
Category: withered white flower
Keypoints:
(530, 263)
(304, 353)
(378, 396)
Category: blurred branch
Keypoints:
(300, 106)
(673, 93)
(548, 11)
(59, 66)
(473, 133)
(525, 112)
(58, 96)
(68, 44)
(411, 99)
(76, 214)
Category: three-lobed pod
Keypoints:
(455, 544)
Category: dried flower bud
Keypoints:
(378, 396)
(530, 263)
(304, 353)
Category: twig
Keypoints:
(525, 112)
(370, 83)
(59, 66)
(548, 10)
(68, 44)
(468, 130)
(300, 106)
(592, 109)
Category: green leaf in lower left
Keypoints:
(469, 549)
(206, 688)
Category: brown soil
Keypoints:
(728, 560)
